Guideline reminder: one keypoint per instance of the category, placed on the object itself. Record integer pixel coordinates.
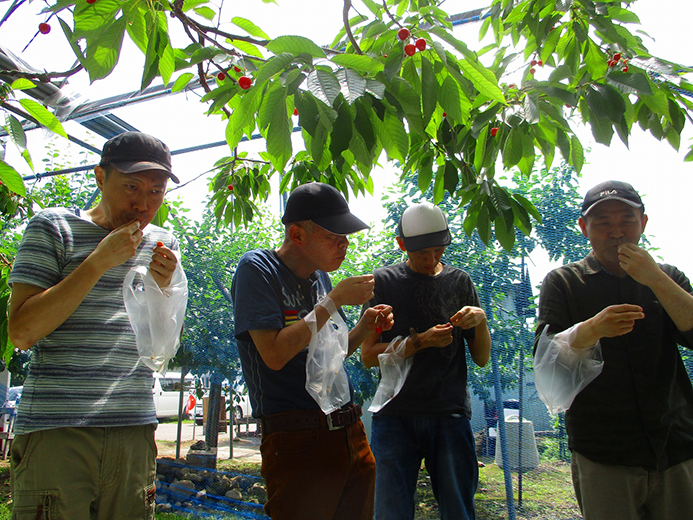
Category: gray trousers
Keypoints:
(608, 492)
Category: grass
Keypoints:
(547, 492)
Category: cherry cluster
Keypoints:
(411, 48)
(616, 59)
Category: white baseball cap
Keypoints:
(423, 225)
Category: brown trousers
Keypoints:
(319, 474)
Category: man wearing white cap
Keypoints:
(630, 429)
(436, 309)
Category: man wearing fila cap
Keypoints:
(436, 309)
(84, 445)
(315, 465)
(630, 430)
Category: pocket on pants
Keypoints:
(36, 505)
(149, 496)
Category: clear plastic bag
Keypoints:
(394, 369)
(156, 315)
(560, 371)
(326, 379)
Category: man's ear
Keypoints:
(583, 226)
(400, 242)
(297, 234)
(100, 175)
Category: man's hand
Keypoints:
(163, 265)
(117, 247)
(378, 318)
(615, 320)
(468, 317)
(355, 290)
(639, 264)
(437, 336)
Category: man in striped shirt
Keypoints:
(84, 445)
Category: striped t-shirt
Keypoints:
(86, 372)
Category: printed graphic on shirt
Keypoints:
(290, 317)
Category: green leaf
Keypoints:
(512, 149)
(295, 45)
(12, 179)
(439, 185)
(43, 116)
(453, 101)
(504, 233)
(425, 172)
(103, 50)
(358, 62)
(605, 101)
(205, 12)
(279, 137)
(22, 84)
(483, 79)
(247, 48)
(15, 130)
(353, 85)
(483, 225)
(630, 83)
(324, 86)
(273, 66)
(429, 91)
(577, 154)
(249, 27)
(182, 81)
(528, 206)
(161, 215)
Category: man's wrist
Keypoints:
(415, 340)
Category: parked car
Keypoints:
(14, 394)
(166, 393)
(241, 403)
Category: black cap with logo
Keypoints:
(611, 190)
(132, 152)
(324, 205)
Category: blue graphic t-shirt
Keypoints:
(268, 295)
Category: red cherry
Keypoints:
(295, 111)
(384, 55)
(44, 28)
(230, 187)
(221, 76)
(494, 131)
(158, 244)
(403, 33)
(532, 70)
(617, 56)
(512, 85)
(541, 63)
(625, 69)
(236, 69)
(445, 114)
(533, 63)
(245, 82)
(409, 49)
(420, 44)
(378, 330)
(91, 1)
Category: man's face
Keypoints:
(424, 261)
(610, 224)
(125, 198)
(325, 249)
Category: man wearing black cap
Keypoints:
(84, 445)
(315, 465)
(436, 309)
(630, 430)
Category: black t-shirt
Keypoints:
(437, 382)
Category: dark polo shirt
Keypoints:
(639, 410)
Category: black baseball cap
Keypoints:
(611, 190)
(423, 225)
(324, 205)
(132, 152)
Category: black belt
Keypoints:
(310, 419)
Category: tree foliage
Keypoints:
(445, 113)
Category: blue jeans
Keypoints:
(447, 446)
